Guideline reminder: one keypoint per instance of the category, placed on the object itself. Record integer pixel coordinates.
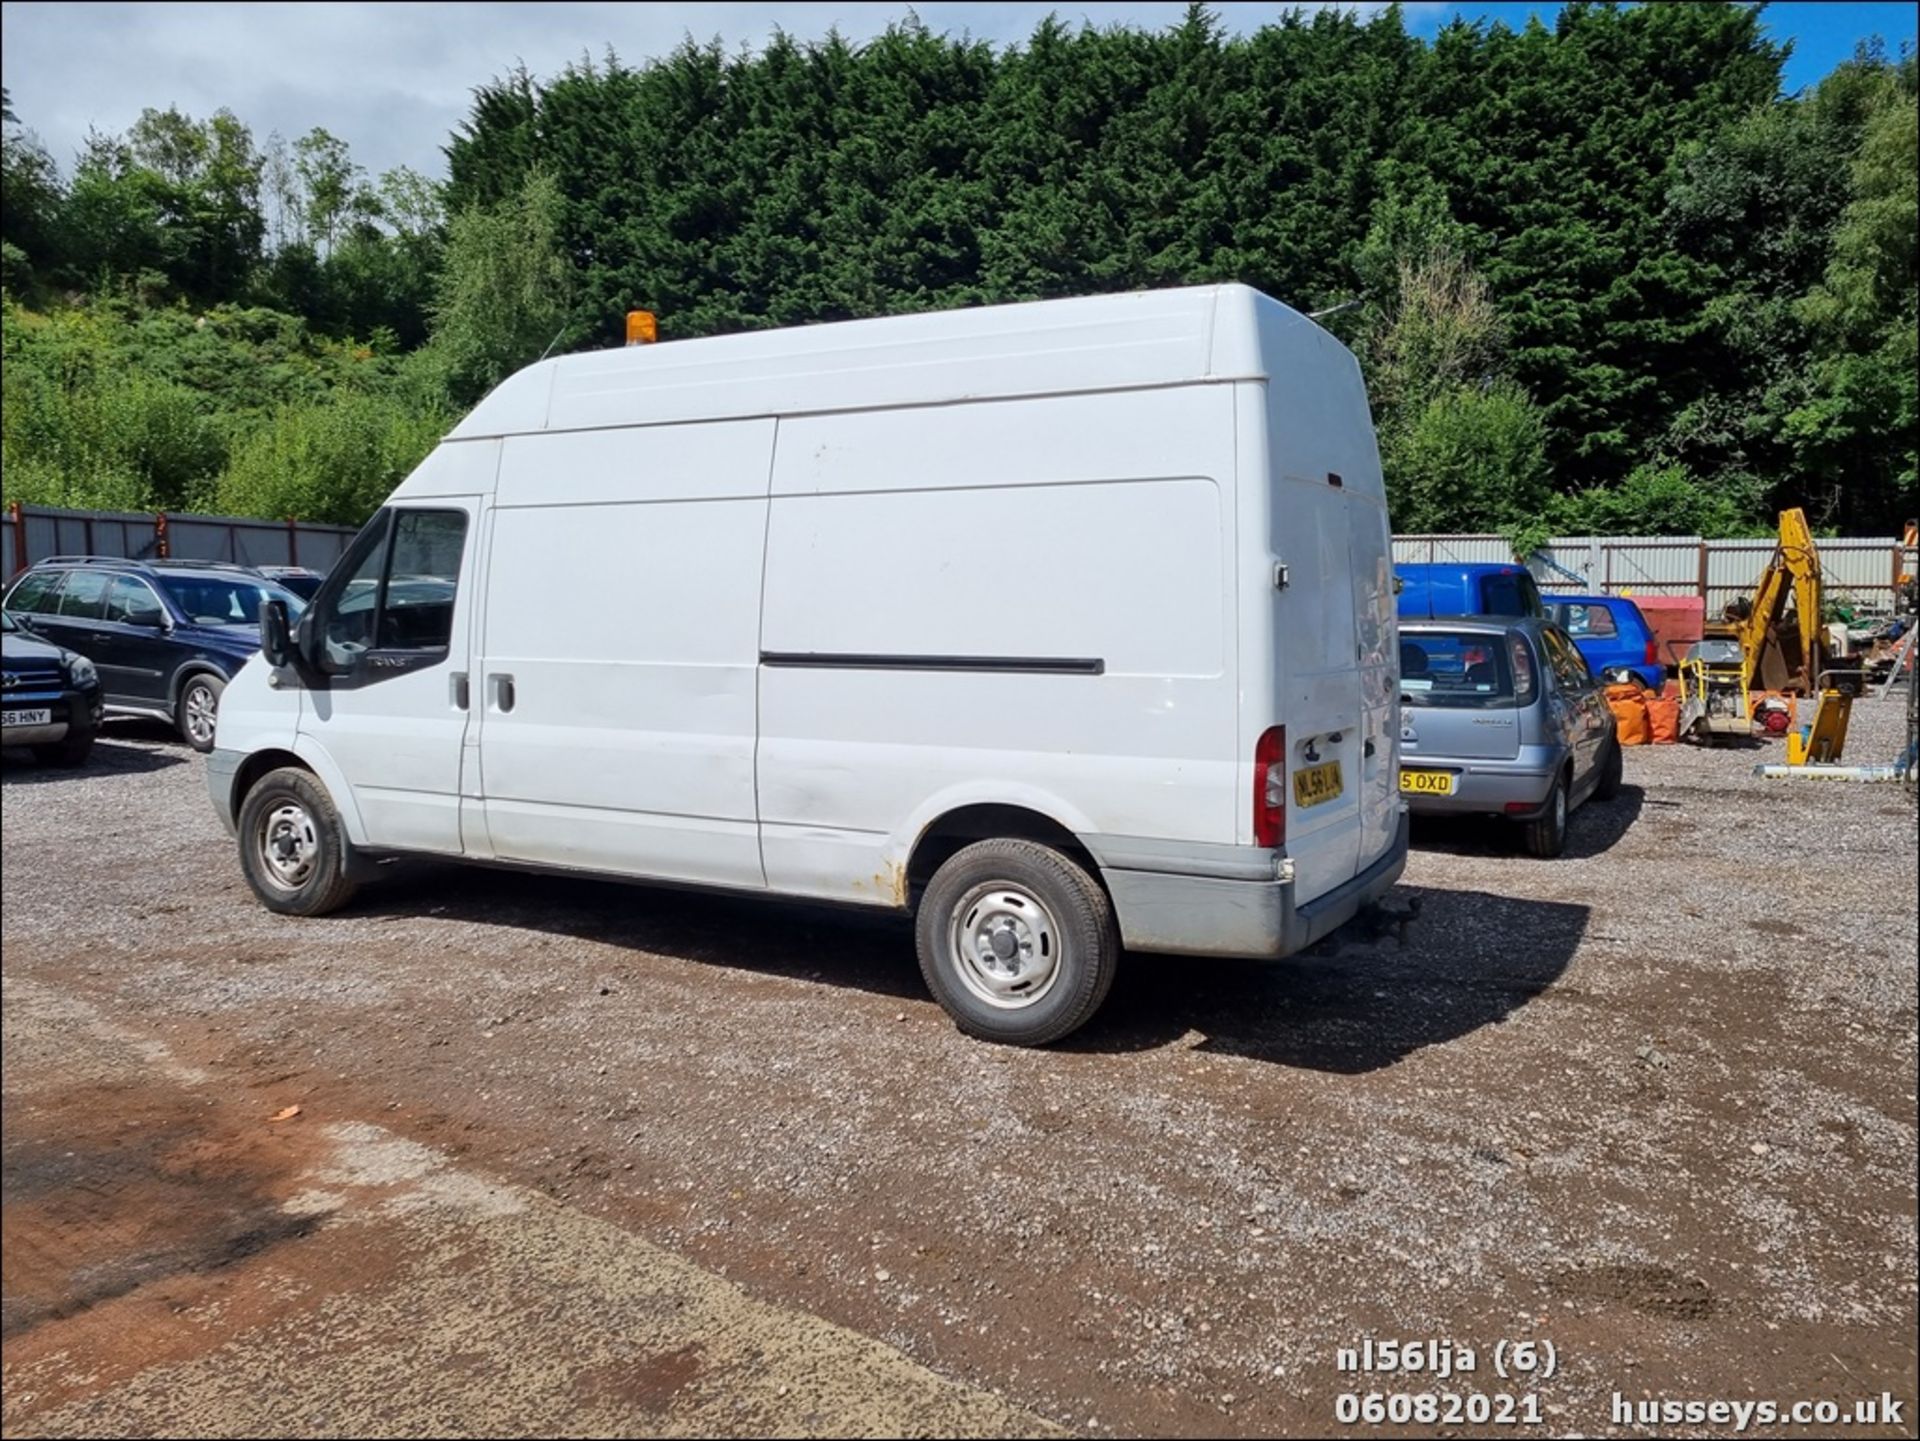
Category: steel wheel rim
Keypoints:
(289, 846)
(1005, 946)
(1559, 808)
(201, 710)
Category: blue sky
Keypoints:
(1823, 34)
(393, 79)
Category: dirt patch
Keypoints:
(649, 1384)
(1650, 1290)
(114, 1188)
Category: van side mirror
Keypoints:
(276, 635)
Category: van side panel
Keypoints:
(623, 602)
(1021, 602)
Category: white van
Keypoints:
(1064, 625)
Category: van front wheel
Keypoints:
(293, 848)
(1016, 942)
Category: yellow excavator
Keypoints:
(1788, 652)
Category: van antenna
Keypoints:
(1339, 309)
(551, 343)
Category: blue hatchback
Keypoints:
(1611, 633)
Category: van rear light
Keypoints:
(1270, 788)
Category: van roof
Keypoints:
(1049, 347)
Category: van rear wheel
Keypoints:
(1016, 942)
(293, 848)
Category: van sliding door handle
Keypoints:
(502, 692)
(462, 692)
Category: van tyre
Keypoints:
(292, 846)
(1613, 769)
(1546, 835)
(199, 709)
(1016, 942)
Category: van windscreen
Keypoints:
(1454, 670)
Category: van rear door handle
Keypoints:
(502, 692)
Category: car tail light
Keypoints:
(1270, 788)
(1522, 671)
(1653, 652)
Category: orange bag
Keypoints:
(1663, 719)
(1629, 706)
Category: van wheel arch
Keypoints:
(947, 835)
(262, 763)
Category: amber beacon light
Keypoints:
(642, 328)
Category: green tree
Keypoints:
(1857, 431)
(504, 288)
(1462, 445)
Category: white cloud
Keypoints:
(393, 79)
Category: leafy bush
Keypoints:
(1658, 500)
(334, 460)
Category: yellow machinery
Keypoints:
(1714, 702)
(1779, 650)
(1776, 656)
(1824, 740)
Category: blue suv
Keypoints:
(165, 636)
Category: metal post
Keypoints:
(293, 541)
(160, 547)
(20, 561)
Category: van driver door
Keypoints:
(388, 634)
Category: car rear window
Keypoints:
(1454, 669)
(1581, 620)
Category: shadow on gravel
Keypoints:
(1592, 830)
(834, 945)
(106, 758)
(1471, 960)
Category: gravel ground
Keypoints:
(1653, 1102)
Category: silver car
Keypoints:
(1502, 717)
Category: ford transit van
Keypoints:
(1065, 626)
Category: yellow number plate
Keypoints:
(1316, 784)
(1427, 783)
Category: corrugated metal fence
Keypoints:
(34, 532)
(1862, 571)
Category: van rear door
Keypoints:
(1334, 623)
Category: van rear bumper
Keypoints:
(1181, 913)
